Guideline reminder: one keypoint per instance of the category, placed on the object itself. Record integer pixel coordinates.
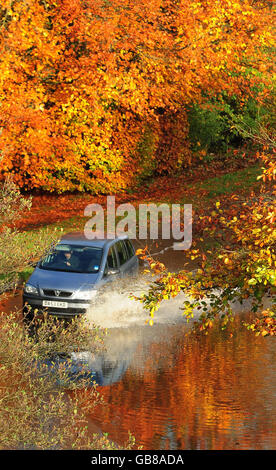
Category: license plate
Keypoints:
(53, 303)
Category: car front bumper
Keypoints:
(74, 307)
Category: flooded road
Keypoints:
(174, 390)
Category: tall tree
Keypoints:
(80, 81)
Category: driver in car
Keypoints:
(71, 260)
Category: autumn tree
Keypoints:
(242, 264)
(84, 83)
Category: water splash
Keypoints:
(115, 307)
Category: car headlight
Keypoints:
(29, 289)
(87, 295)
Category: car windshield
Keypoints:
(73, 258)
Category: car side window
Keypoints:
(122, 253)
(129, 248)
(111, 261)
(111, 258)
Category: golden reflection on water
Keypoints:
(179, 391)
(189, 392)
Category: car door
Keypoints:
(126, 258)
(112, 268)
(133, 263)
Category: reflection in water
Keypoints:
(83, 366)
(104, 368)
(178, 391)
(186, 392)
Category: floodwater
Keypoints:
(176, 390)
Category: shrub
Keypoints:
(18, 251)
(36, 411)
(220, 124)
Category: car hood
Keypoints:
(47, 279)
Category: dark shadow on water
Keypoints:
(82, 368)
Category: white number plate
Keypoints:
(53, 303)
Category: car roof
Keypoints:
(79, 238)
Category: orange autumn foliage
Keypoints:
(80, 81)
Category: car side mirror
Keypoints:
(112, 271)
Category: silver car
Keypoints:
(70, 276)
